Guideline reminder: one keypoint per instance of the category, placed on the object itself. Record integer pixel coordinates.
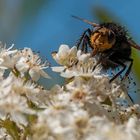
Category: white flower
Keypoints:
(4, 134)
(65, 56)
(63, 123)
(36, 94)
(17, 107)
(75, 63)
(11, 100)
(32, 91)
(14, 103)
(82, 56)
(85, 68)
(8, 57)
(100, 128)
(31, 63)
(95, 88)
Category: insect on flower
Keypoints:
(110, 42)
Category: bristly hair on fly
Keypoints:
(111, 43)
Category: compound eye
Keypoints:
(111, 36)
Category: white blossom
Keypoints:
(8, 57)
(31, 63)
(65, 55)
(11, 100)
(4, 135)
(75, 63)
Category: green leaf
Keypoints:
(11, 127)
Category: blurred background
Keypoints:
(44, 25)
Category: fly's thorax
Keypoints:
(103, 39)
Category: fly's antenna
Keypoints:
(86, 21)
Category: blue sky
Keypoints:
(53, 24)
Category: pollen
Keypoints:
(78, 95)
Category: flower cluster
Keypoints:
(74, 62)
(86, 107)
(23, 62)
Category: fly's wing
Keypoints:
(133, 44)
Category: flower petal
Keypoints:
(34, 74)
(64, 49)
(58, 69)
(44, 74)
